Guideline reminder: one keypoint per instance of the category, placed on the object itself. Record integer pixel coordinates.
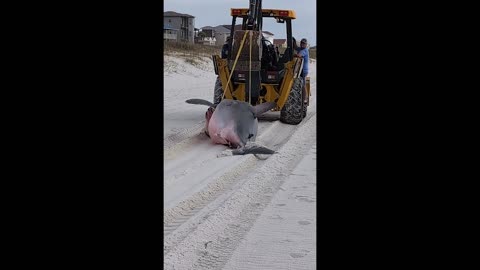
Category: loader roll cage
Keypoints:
(254, 22)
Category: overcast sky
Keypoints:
(217, 12)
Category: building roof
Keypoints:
(176, 14)
(218, 29)
(279, 41)
(225, 28)
(229, 26)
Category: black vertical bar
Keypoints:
(260, 17)
(289, 39)
(234, 20)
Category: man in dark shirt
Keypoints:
(225, 48)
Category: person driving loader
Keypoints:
(269, 57)
(225, 48)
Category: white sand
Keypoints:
(235, 212)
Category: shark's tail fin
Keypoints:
(254, 149)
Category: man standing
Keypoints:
(302, 51)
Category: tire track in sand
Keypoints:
(213, 241)
(220, 180)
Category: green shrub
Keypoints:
(191, 61)
(312, 52)
(190, 50)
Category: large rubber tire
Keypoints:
(292, 112)
(304, 107)
(217, 91)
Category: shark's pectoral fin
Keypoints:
(200, 102)
(263, 108)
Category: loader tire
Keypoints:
(218, 91)
(304, 108)
(292, 112)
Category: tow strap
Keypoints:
(236, 59)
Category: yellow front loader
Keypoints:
(255, 73)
